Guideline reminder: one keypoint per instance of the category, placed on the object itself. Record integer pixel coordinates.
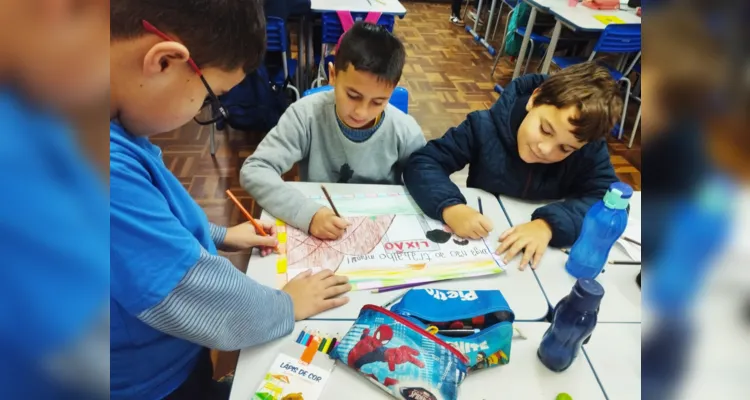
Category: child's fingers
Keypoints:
(328, 304)
(527, 255)
(515, 249)
(505, 245)
(340, 223)
(506, 234)
(537, 258)
(486, 224)
(336, 290)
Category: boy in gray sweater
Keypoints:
(348, 135)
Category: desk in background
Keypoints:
(520, 288)
(577, 19)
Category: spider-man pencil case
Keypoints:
(400, 357)
(479, 323)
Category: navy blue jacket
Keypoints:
(487, 141)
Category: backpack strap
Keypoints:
(347, 21)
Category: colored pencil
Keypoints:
(327, 346)
(322, 344)
(393, 300)
(333, 344)
(625, 262)
(330, 201)
(301, 335)
(404, 286)
(258, 227)
(479, 201)
(632, 240)
(305, 339)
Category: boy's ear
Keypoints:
(530, 103)
(164, 55)
(331, 74)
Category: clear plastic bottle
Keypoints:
(573, 321)
(604, 223)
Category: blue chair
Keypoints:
(332, 30)
(277, 41)
(399, 98)
(617, 39)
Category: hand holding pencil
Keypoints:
(260, 230)
(327, 223)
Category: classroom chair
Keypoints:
(399, 98)
(277, 41)
(331, 33)
(616, 39)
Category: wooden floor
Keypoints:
(448, 76)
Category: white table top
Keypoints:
(390, 7)
(622, 296)
(523, 378)
(581, 18)
(615, 354)
(520, 288)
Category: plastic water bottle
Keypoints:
(603, 225)
(573, 320)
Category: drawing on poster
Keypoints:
(366, 205)
(385, 250)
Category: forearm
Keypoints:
(276, 196)
(217, 306)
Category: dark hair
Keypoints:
(225, 34)
(371, 48)
(592, 90)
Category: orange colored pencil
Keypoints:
(258, 227)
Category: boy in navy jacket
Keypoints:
(543, 139)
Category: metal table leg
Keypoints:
(525, 43)
(551, 47)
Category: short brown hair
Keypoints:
(592, 90)
(225, 34)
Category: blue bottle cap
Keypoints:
(586, 295)
(618, 196)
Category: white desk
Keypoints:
(523, 378)
(622, 296)
(520, 288)
(579, 18)
(615, 354)
(390, 7)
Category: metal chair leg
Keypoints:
(466, 11)
(491, 36)
(528, 57)
(635, 126)
(212, 140)
(624, 107)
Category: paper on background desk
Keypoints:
(385, 250)
(632, 231)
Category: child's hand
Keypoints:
(313, 294)
(244, 236)
(532, 236)
(326, 225)
(467, 222)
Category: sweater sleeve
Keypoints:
(162, 275)
(427, 173)
(285, 145)
(411, 139)
(589, 185)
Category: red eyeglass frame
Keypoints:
(215, 103)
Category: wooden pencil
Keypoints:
(258, 226)
(330, 201)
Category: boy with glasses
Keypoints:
(172, 296)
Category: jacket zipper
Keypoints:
(528, 182)
(419, 330)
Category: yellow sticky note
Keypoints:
(281, 236)
(608, 19)
(281, 265)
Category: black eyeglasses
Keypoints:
(218, 112)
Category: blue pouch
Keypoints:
(400, 357)
(479, 323)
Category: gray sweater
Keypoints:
(309, 133)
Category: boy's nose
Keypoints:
(544, 148)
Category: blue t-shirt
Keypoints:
(157, 232)
(54, 273)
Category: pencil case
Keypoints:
(400, 357)
(480, 322)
